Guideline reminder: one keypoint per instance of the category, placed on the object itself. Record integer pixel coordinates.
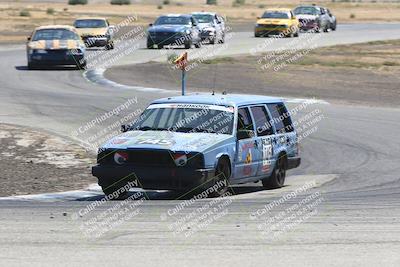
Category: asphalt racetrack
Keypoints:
(352, 161)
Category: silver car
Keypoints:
(212, 26)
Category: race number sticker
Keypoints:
(161, 142)
(266, 154)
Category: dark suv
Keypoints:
(177, 30)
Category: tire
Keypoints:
(222, 40)
(198, 45)
(334, 27)
(82, 65)
(32, 66)
(222, 173)
(277, 178)
(296, 34)
(257, 35)
(110, 190)
(110, 46)
(213, 40)
(149, 44)
(188, 45)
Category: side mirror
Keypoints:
(150, 24)
(124, 128)
(28, 38)
(258, 17)
(244, 134)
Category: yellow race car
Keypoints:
(279, 21)
(55, 45)
(95, 32)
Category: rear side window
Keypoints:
(280, 117)
(244, 120)
(262, 120)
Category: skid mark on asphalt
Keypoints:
(247, 191)
(96, 76)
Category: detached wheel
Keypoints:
(277, 178)
(222, 175)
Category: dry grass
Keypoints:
(13, 25)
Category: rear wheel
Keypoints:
(277, 178)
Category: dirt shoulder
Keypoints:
(34, 162)
(367, 74)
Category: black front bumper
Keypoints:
(293, 162)
(55, 59)
(151, 177)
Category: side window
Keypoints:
(244, 121)
(262, 120)
(280, 117)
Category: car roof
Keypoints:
(219, 99)
(308, 6)
(67, 27)
(204, 13)
(85, 18)
(176, 15)
(278, 9)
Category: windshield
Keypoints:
(186, 118)
(201, 18)
(172, 21)
(275, 15)
(305, 10)
(90, 23)
(55, 34)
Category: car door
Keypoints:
(248, 154)
(264, 132)
(285, 136)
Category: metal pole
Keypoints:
(183, 81)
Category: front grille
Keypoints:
(145, 157)
(272, 25)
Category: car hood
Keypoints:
(168, 28)
(305, 16)
(174, 141)
(273, 21)
(55, 44)
(91, 31)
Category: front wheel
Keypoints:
(110, 46)
(198, 45)
(277, 178)
(188, 45)
(222, 175)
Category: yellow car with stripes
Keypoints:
(278, 21)
(54, 46)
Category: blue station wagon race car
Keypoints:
(199, 141)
